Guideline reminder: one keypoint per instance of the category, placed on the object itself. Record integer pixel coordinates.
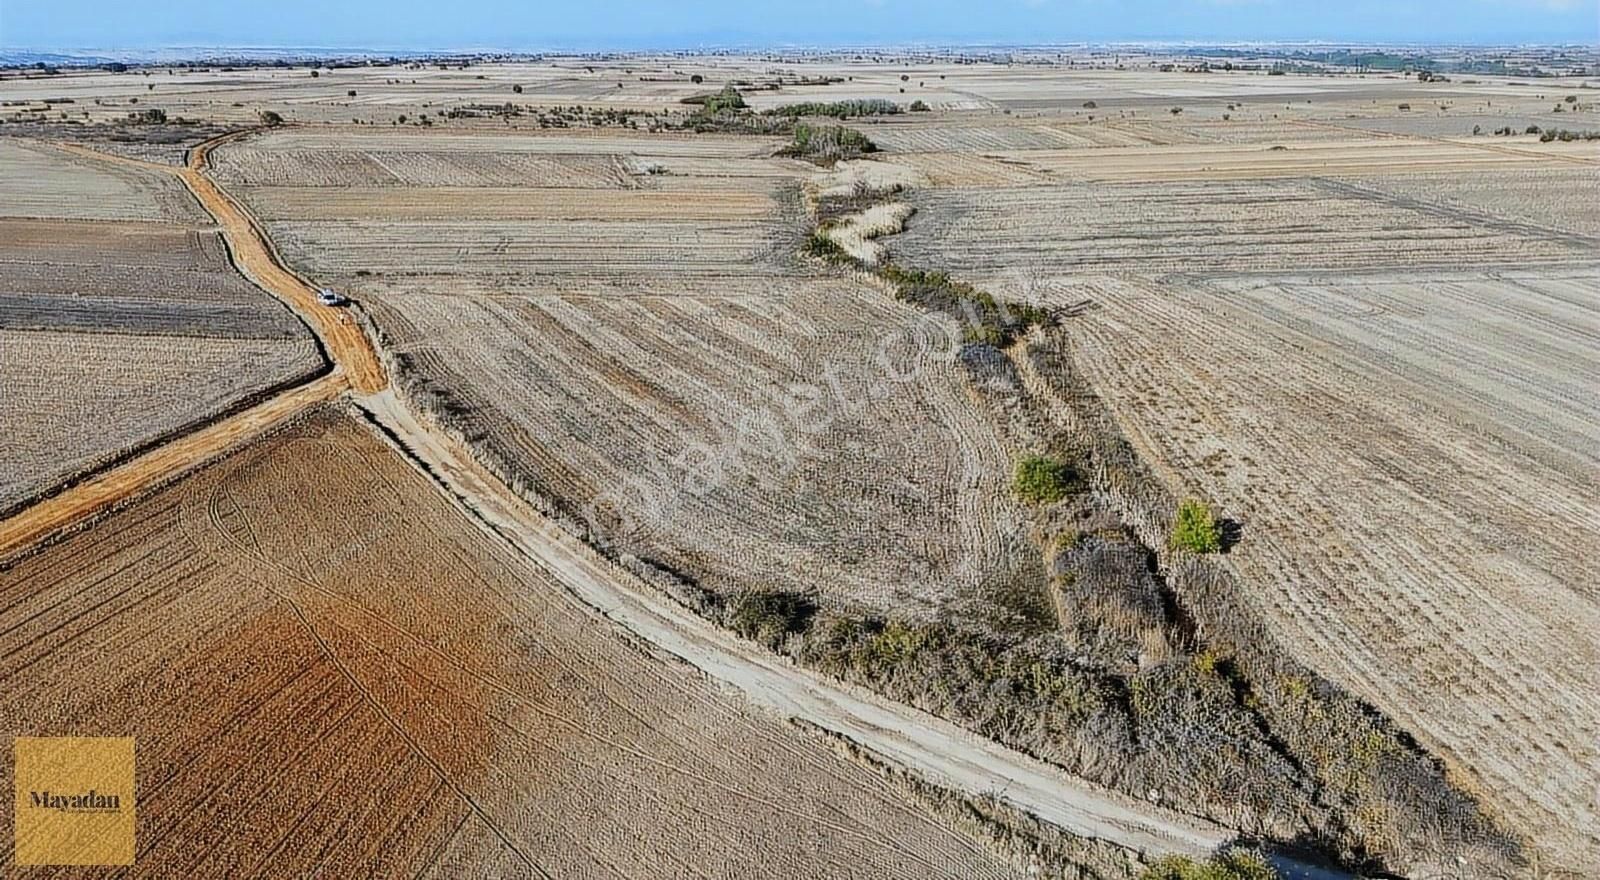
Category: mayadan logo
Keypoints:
(90, 801)
(74, 800)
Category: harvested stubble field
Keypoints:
(307, 625)
(675, 385)
(1210, 226)
(1561, 200)
(42, 181)
(529, 205)
(760, 437)
(120, 332)
(354, 158)
(1409, 451)
(913, 137)
(162, 144)
(1413, 459)
(616, 324)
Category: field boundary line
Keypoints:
(253, 256)
(112, 488)
(933, 748)
(1455, 142)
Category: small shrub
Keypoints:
(697, 79)
(517, 89)
(767, 617)
(728, 99)
(818, 244)
(1236, 864)
(1196, 529)
(983, 334)
(898, 643)
(1405, 106)
(1041, 479)
(919, 106)
(270, 118)
(1090, 105)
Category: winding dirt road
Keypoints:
(253, 255)
(940, 751)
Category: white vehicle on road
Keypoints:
(329, 298)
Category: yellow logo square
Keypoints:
(74, 800)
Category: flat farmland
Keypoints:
(345, 157)
(1265, 161)
(1366, 337)
(761, 437)
(338, 249)
(972, 137)
(1561, 199)
(1210, 226)
(654, 366)
(1413, 460)
(120, 332)
(330, 670)
(380, 203)
(329, 167)
(632, 206)
(42, 181)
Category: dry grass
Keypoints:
(1415, 488)
(855, 233)
(317, 652)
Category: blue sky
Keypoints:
(636, 24)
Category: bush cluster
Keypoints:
(1234, 864)
(983, 318)
(719, 102)
(839, 109)
(826, 144)
(1565, 135)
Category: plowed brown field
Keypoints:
(331, 671)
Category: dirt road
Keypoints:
(255, 257)
(941, 752)
(157, 466)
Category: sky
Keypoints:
(688, 24)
